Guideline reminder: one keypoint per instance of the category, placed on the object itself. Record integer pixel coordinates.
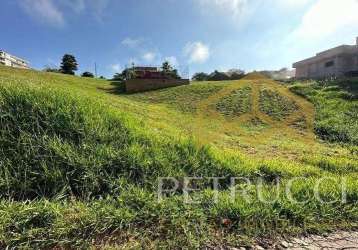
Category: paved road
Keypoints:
(338, 240)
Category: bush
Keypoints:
(336, 108)
(87, 74)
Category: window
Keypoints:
(329, 64)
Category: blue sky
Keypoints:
(201, 35)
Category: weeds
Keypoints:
(77, 171)
(236, 103)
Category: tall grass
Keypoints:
(336, 106)
(76, 172)
(236, 103)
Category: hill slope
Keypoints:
(79, 164)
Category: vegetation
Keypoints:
(87, 74)
(276, 105)
(69, 64)
(236, 103)
(169, 71)
(183, 98)
(336, 102)
(53, 70)
(233, 74)
(79, 167)
(200, 76)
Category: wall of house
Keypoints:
(140, 85)
(12, 61)
(333, 62)
(319, 68)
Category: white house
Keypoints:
(12, 61)
(336, 62)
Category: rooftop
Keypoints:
(339, 50)
(17, 58)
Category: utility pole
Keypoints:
(95, 69)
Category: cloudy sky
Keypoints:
(201, 35)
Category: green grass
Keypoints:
(79, 165)
(184, 98)
(276, 105)
(336, 104)
(236, 103)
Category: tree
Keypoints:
(87, 74)
(125, 75)
(236, 74)
(53, 70)
(166, 67)
(218, 76)
(200, 76)
(118, 77)
(169, 71)
(102, 77)
(69, 64)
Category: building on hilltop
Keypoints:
(337, 62)
(151, 78)
(12, 61)
(148, 73)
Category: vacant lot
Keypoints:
(79, 162)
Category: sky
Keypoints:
(194, 35)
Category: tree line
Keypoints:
(68, 66)
(233, 74)
(167, 70)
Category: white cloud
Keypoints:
(116, 67)
(53, 12)
(44, 11)
(149, 56)
(291, 3)
(231, 7)
(197, 52)
(327, 17)
(172, 60)
(131, 42)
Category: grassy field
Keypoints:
(79, 162)
(337, 104)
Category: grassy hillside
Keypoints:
(79, 164)
(337, 108)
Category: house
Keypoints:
(337, 62)
(151, 78)
(147, 73)
(12, 61)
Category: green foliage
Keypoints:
(276, 105)
(69, 64)
(233, 74)
(53, 70)
(218, 76)
(182, 98)
(200, 76)
(87, 148)
(87, 74)
(124, 75)
(169, 71)
(236, 103)
(336, 106)
(78, 170)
